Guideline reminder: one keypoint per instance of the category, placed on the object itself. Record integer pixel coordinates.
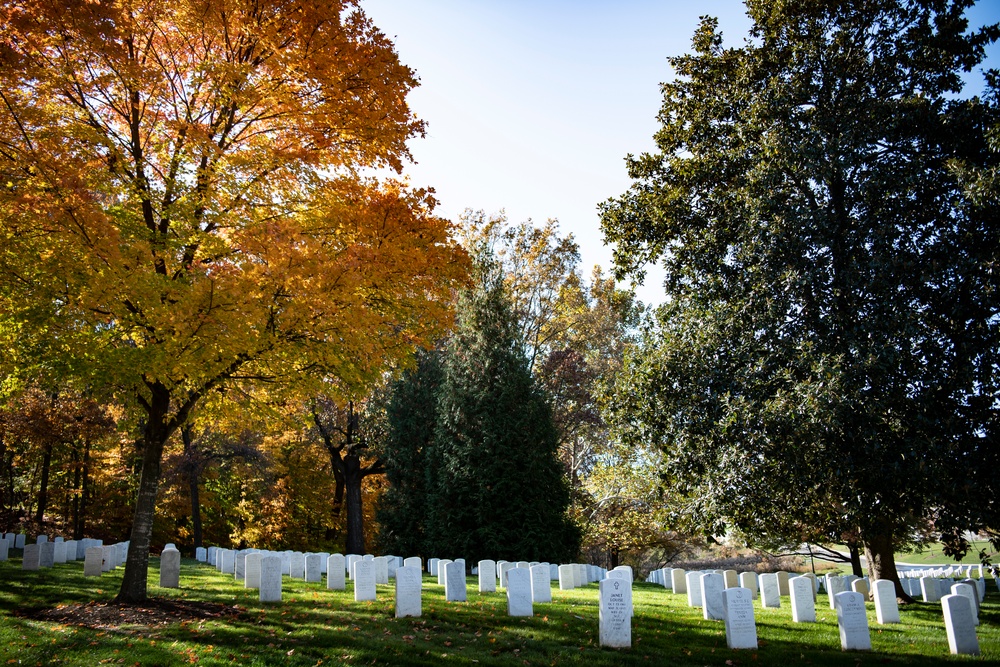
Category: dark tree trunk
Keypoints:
(353, 476)
(154, 437)
(193, 468)
(881, 559)
(43, 489)
(613, 559)
(80, 522)
(855, 550)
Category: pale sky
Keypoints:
(532, 106)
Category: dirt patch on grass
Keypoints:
(151, 613)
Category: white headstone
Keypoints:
(712, 586)
(886, 607)
(969, 592)
(783, 578)
(615, 614)
(41, 539)
(834, 586)
(959, 624)
(861, 586)
(801, 592)
(270, 578)
(19, 541)
(240, 564)
(408, 590)
(229, 562)
(251, 577)
(335, 572)
(71, 550)
(748, 580)
(314, 568)
(170, 568)
(504, 567)
(297, 565)
(853, 622)
(741, 628)
(432, 567)
(541, 585)
(731, 578)
(29, 559)
(364, 580)
(519, 592)
(487, 576)
(108, 563)
(442, 571)
(565, 577)
(351, 559)
(929, 589)
(93, 560)
(4, 549)
(59, 553)
(413, 561)
(693, 588)
(46, 554)
(454, 582)
(770, 594)
(381, 570)
(201, 554)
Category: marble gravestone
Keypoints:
(519, 592)
(381, 570)
(93, 562)
(783, 578)
(201, 554)
(886, 607)
(229, 562)
(748, 580)
(408, 591)
(46, 554)
(834, 586)
(297, 565)
(959, 624)
(565, 577)
(251, 577)
(741, 628)
(59, 553)
(270, 578)
(313, 568)
(969, 592)
(541, 585)
(770, 593)
(852, 622)
(803, 603)
(678, 580)
(414, 561)
(487, 576)
(615, 613)
(170, 568)
(929, 589)
(442, 570)
(712, 586)
(29, 559)
(732, 579)
(693, 585)
(454, 581)
(336, 572)
(364, 580)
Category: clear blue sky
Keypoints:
(532, 105)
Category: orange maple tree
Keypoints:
(183, 209)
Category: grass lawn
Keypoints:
(932, 554)
(314, 627)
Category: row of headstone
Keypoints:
(44, 554)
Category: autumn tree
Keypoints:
(828, 346)
(181, 210)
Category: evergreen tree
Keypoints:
(495, 487)
(412, 416)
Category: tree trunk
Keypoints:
(881, 560)
(80, 525)
(43, 488)
(192, 469)
(154, 437)
(355, 518)
(855, 550)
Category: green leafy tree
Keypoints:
(412, 418)
(827, 352)
(497, 489)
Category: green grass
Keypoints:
(932, 554)
(313, 627)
